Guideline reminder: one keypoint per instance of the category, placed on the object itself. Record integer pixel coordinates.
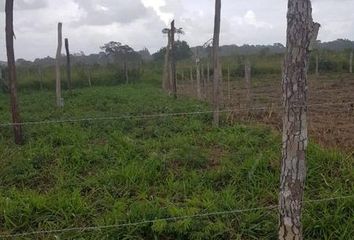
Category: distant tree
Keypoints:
(183, 51)
(122, 53)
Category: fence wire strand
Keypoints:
(161, 115)
(168, 219)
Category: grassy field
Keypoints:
(95, 173)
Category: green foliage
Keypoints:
(135, 169)
(183, 51)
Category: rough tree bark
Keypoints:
(16, 119)
(301, 35)
(57, 67)
(40, 77)
(173, 60)
(197, 63)
(228, 83)
(351, 62)
(216, 63)
(88, 70)
(68, 63)
(166, 72)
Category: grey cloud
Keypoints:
(21, 5)
(106, 12)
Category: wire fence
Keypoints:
(167, 219)
(162, 115)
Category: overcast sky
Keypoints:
(90, 23)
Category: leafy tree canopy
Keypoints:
(183, 51)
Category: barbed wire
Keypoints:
(168, 219)
(158, 115)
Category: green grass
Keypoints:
(129, 170)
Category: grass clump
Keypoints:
(94, 173)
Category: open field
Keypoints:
(331, 105)
(128, 170)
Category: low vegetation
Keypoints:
(104, 172)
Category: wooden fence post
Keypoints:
(216, 80)
(351, 62)
(40, 77)
(228, 82)
(301, 35)
(16, 119)
(60, 102)
(197, 63)
(248, 82)
(173, 60)
(68, 63)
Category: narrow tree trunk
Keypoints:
(173, 60)
(88, 70)
(40, 77)
(16, 119)
(216, 80)
(166, 74)
(248, 82)
(228, 83)
(58, 56)
(301, 34)
(351, 62)
(68, 63)
(199, 93)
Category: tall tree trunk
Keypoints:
(216, 80)
(228, 83)
(16, 119)
(199, 92)
(301, 35)
(68, 63)
(40, 77)
(351, 62)
(57, 69)
(248, 82)
(173, 60)
(166, 72)
(88, 70)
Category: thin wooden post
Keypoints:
(228, 82)
(166, 73)
(173, 60)
(89, 76)
(68, 63)
(301, 34)
(16, 118)
(59, 99)
(40, 77)
(183, 75)
(351, 62)
(216, 80)
(197, 63)
(248, 82)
